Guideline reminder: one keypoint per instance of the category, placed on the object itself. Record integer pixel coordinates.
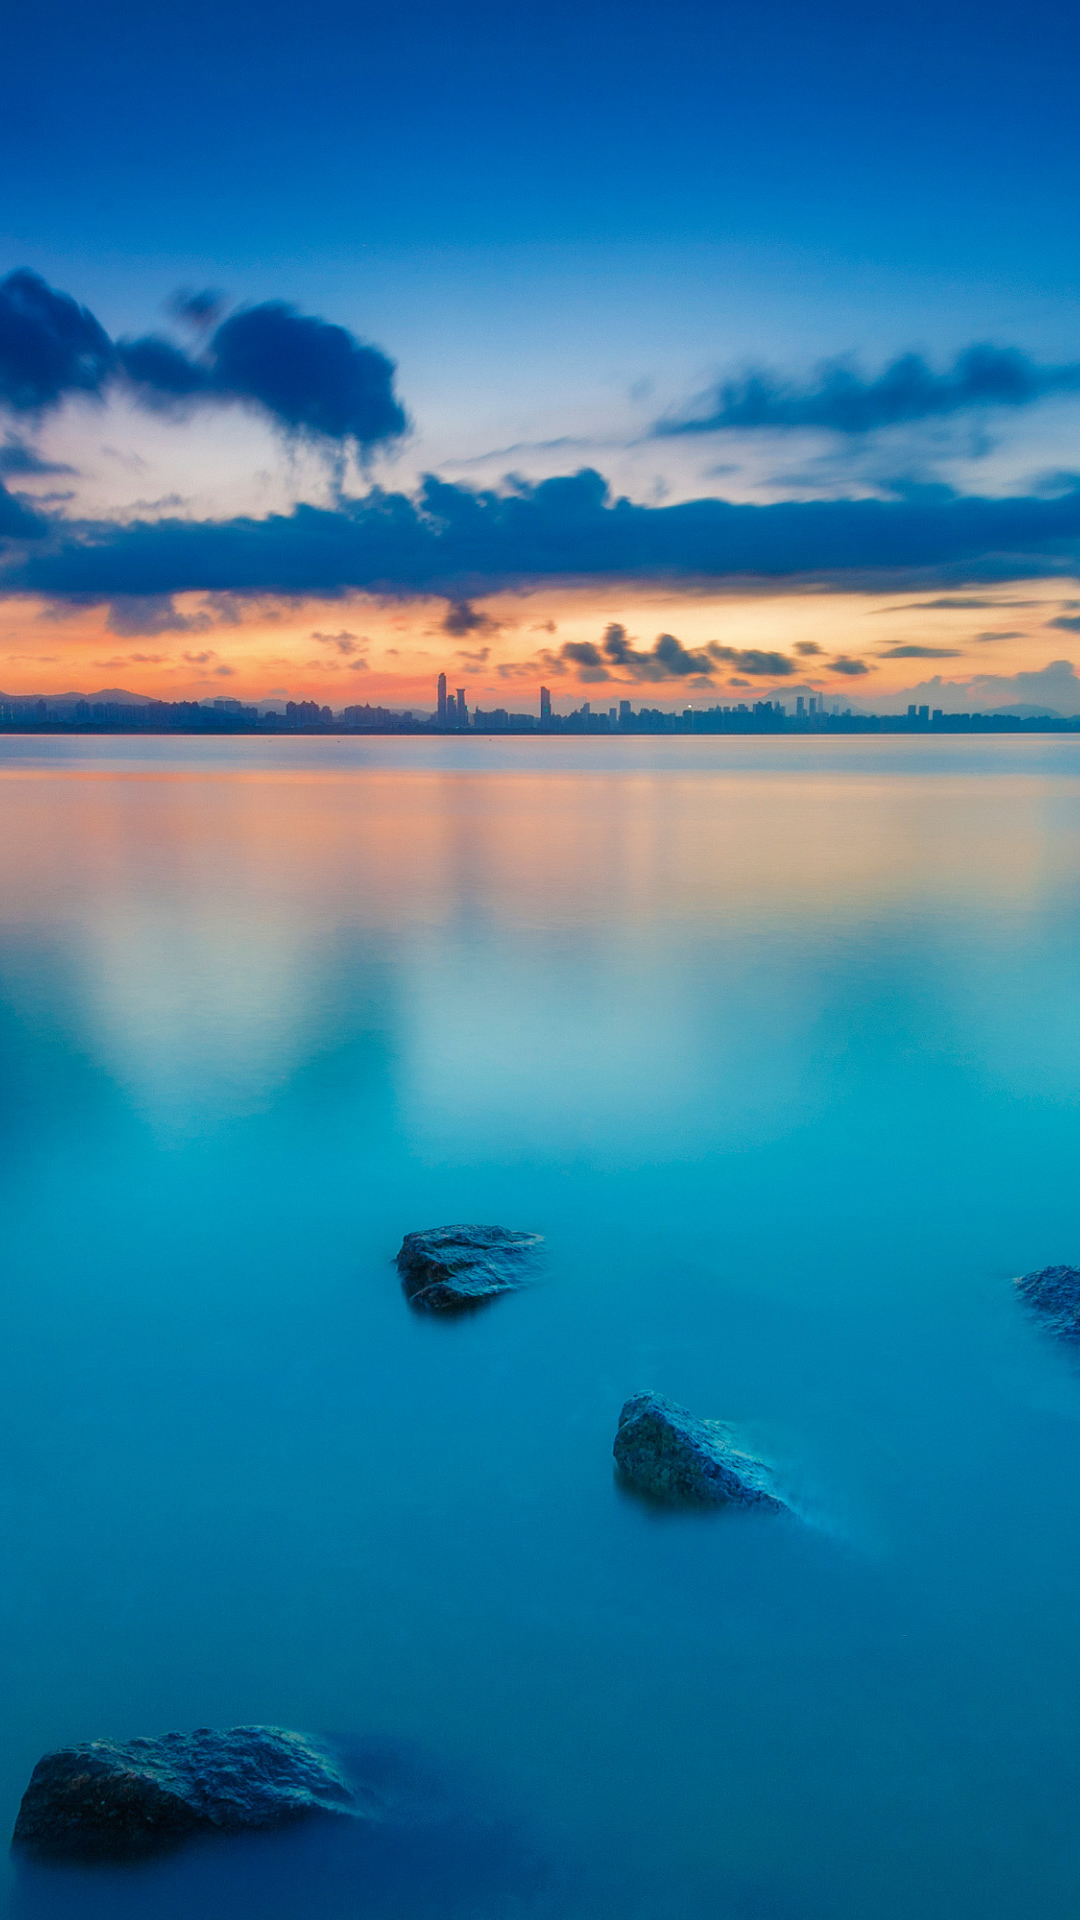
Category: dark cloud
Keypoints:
(200, 310)
(450, 539)
(807, 647)
(1008, 633)
(1070, 621)
(17, 522)
(49, 345)
(586, 656)
(615, 657)
(920, 653)
(462, 617)
(18, 458)
(344, 643)
(843, 400)
(150, 613)
(160, 374)
(841, 664)
(749, 660)
(309, 376)
(947, 602)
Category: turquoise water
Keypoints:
(779, 1045)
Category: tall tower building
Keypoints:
(545, 703)
(462, 709)
(442, 699)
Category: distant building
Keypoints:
(545, 704)
(442, 699)
(626, 713)
(462, 719)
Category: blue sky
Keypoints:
(624, 239)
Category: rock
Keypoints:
(665, 1452)
(1054, 1292)
(111, 1800)
(445, 1268)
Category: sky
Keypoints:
(689, 354)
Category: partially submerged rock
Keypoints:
(665, 1452)
(113, 1800)
(445, 1268)
(1054, 1294)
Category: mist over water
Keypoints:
(778, 1043)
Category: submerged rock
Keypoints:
(1054, 1293)
(445, 1268)
(665, 1452)
(112, 1800)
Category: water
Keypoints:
(779, 1045)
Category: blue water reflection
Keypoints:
(779, 1045)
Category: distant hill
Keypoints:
(1021, 711)
(117, 696)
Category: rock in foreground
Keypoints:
(665, 1452)
(1054, 1293)
(446, 1268)
(108, 1800)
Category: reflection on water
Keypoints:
(779, 1045)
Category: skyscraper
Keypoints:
(442, 699)
(462, 709)
(545, 704)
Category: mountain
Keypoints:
(117, 695)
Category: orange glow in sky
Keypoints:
(860, 647)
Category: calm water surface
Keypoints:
(779, 1045)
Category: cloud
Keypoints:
(308, 375)
(1007, 633)
(840, 399)
(151, 613)
(16, 521)
(920, 653)
(462, 617)
(18, 458)
(49, 345)
(346, 643)
(1070, 621)
(750, 660)
(842, 664)
(161, 375)
(947, 602)
(616, 658)
(199, 309)
(668, 659)
(453, 540)
(1054, 688)
(807, 648)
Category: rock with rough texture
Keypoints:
(668, 1454)
(112, 1800)
(1054, 1294)
(446, 1268)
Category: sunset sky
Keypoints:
(684, 360)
